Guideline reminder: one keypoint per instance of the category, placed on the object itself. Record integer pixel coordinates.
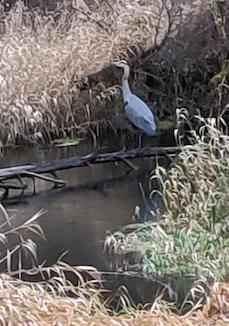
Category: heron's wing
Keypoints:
(139, 114)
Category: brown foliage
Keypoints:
(191, 70)
(32, 304)
(46, 60)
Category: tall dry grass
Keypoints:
(17, 240)
(37, 304)
(45, 60)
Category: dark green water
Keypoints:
(96, 199)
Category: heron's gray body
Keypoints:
(140, 115)
(136, 110)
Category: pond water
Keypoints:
(96, 199)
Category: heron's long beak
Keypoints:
(118, 63)
(111, 62)
(114, 62)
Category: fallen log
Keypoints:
(37, 170)
(79, 161)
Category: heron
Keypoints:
(135, 109)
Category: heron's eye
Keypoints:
(126, 103)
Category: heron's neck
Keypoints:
(125, 84)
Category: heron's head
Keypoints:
(119, 63)
(124, 65)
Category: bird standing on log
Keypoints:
(135, 109)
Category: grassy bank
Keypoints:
(46, 60)
(191, 238)
(37, 304)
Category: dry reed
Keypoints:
(33, 304)
(45, 60)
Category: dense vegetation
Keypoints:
(55, 81)
(191, 237)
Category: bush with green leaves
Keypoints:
(191, 238)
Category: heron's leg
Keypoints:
(139, 141)
(123, 142)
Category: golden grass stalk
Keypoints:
(23, 303)
(16, 241)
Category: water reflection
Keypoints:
(96, 199)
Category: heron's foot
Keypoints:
(123, 149)
(140, 142)
(139, 145)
